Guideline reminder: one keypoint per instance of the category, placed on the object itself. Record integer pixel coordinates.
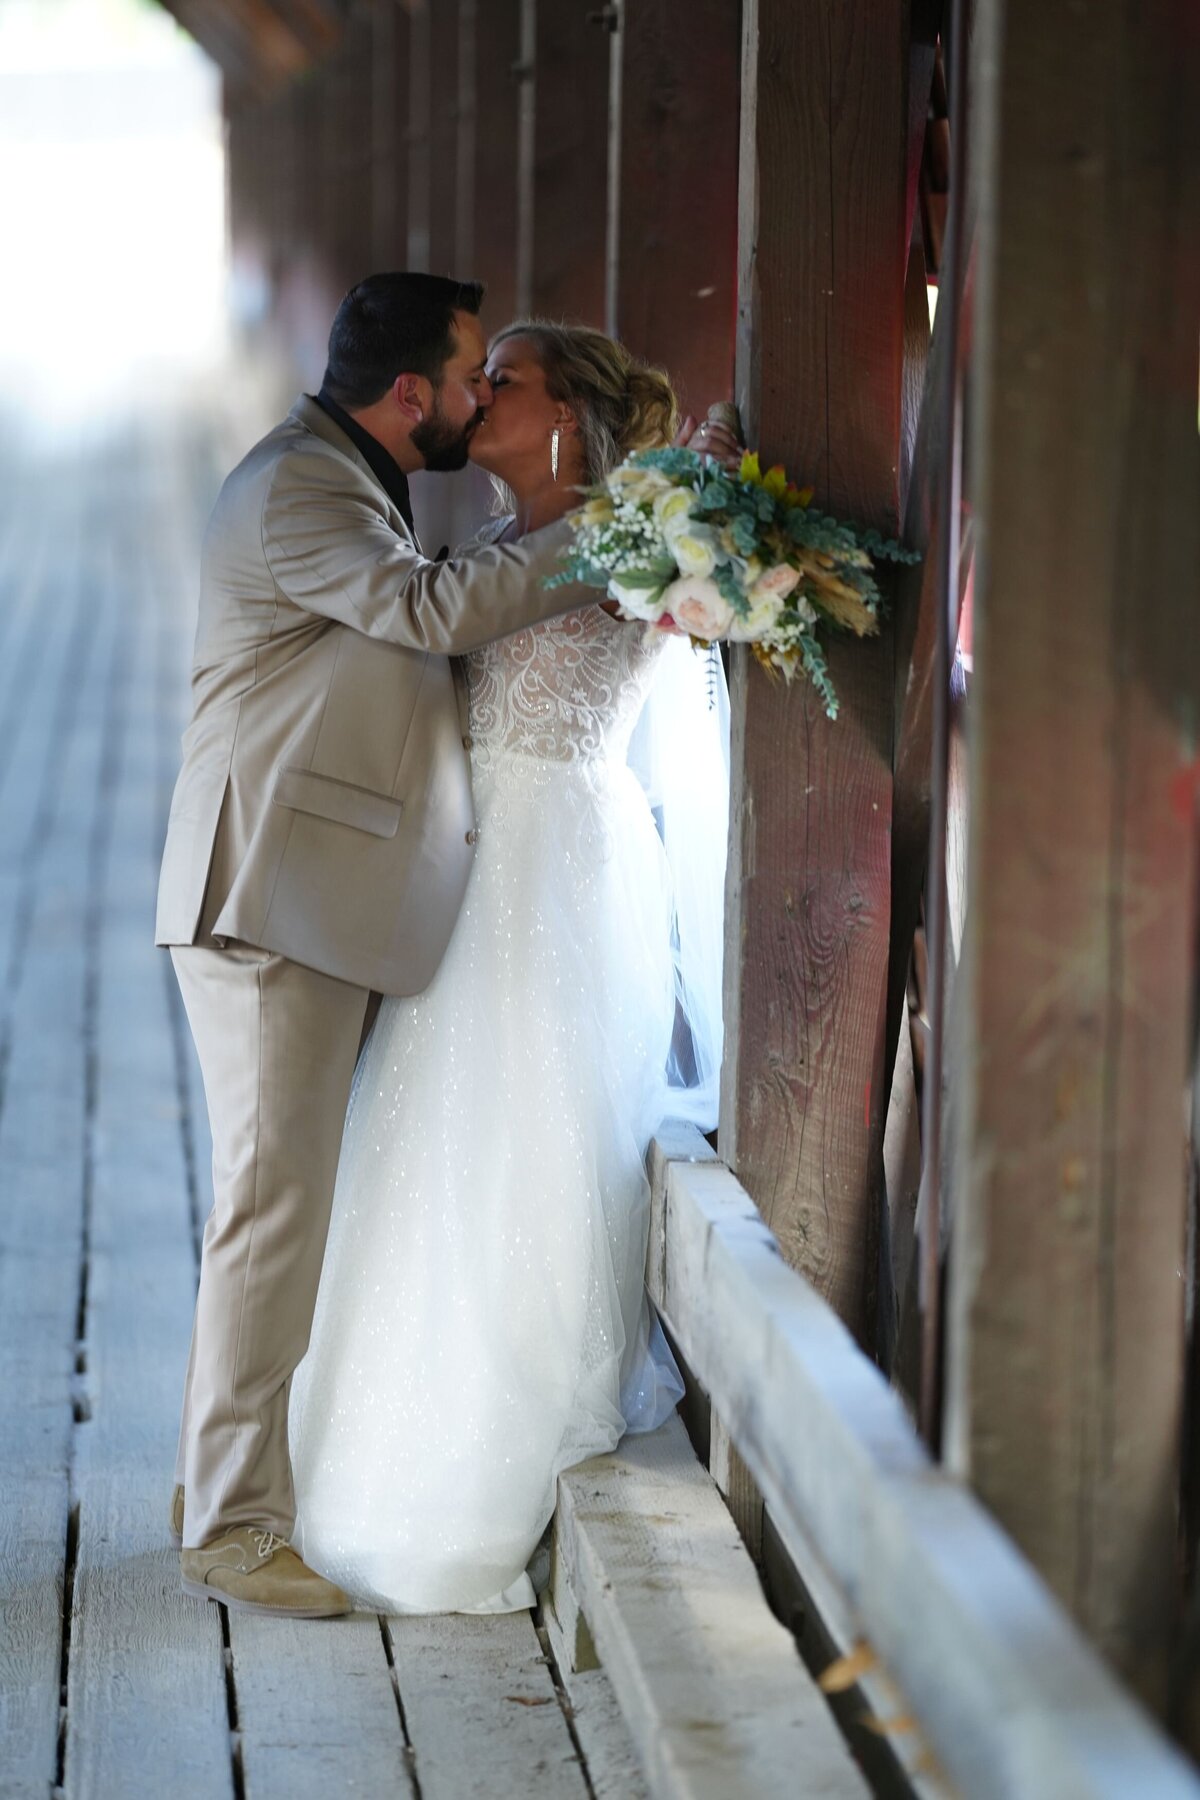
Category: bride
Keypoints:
(482, 1322)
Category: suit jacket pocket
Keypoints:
(304, 791)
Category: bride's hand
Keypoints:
(710, 439)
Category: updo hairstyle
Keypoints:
(620, 404)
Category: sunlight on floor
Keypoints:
(112, 211)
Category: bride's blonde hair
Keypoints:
(620, 403)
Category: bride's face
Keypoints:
(513, 441)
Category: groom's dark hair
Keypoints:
(391, 325)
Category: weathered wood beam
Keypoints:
(563, 164)
(444, 44)
(389, 150)
(1067, 1304)
(466, 131)
(259, 44)
(823, 251)
(1010, 1697)
(489, 101)
(417, 136)
(916, 590)
(443, 65)
(719, 1705)
(224, 39)
(433, 136)
(673, 192)
(346, 94)
(317, 23)
(487, 230)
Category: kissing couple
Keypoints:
(503, 809)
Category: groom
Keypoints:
(318, 848)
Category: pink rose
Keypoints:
(698, 606)
(776, 584)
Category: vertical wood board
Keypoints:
(1067, 1315)
(819, 381)
(674, 248)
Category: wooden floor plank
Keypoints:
(613, 1766)
(316, 1709)
(37, 725)
(35, 636)
(481, 1711)
(104, 1179)
(46, 809)
(147, 1696)
(717, 1700)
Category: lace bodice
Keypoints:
(567, 690)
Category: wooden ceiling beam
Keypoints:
(260, 44)
(318, 24)
(227, 48)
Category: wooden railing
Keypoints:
(909, 1572)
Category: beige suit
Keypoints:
(318, 846)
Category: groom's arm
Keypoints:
(331, 551)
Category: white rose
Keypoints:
(694, 547)
(674, 504)
(639, 602)
(698, 605)
(757, 624)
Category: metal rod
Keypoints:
(948, 549)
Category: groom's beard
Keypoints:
(444, 446)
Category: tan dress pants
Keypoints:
(277, 1045)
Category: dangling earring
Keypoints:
(554, 453)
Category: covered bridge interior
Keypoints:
(928, 1521)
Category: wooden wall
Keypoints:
(1067, 1323)
(739, 200)
(581, 163)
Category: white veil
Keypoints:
(680, 754)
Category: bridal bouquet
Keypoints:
(673, 537)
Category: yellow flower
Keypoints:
(775, 481)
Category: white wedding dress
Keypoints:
(482, 1321)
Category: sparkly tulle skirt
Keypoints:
(482, 1322)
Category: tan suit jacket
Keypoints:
(324, 804)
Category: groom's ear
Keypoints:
(413, 395)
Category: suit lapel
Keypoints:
(311, 417)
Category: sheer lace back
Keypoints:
(568, 690)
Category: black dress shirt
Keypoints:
(381, 461)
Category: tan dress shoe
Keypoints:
(253, 1570)
(177, 1517)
